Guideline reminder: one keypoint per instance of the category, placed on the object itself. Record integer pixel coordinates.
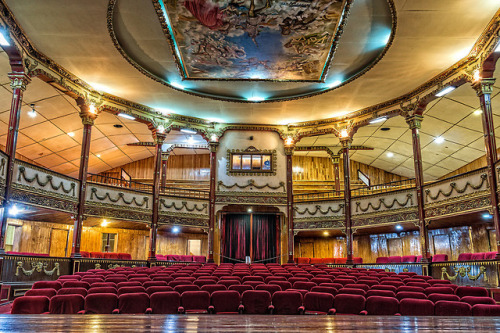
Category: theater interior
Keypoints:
(309, 165)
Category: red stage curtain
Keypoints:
(236, 233)
(264, 237)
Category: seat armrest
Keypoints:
(241, 308)
(81, 312)
(46, 312)
(331, 311)
(149, 311)
(302, 309)
(364, 313)
(180, 309)
(116, 311)
(271, 309)
(397, 314)
(211, 309)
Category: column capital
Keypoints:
(213, 146)
(483, 86)
(159, 138)
(165, 156)
(88, 111)
(414, 121)
(289, 150)
(346, 142)
(19, 80)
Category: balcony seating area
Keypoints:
(106, 255)
(182, 258)
(253, 289)
(437, 258)
(28, 254)
(476, 256)
(316, 261)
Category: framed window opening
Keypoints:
(108, 243)
(251, 161)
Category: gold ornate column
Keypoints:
(213, 145)
(346, 144)
(289, 200)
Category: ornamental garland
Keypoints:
(409, 198)
(121, 196)
(318, 209)
(183, 205)
(250, 183)
(453, 185)
(48, 180)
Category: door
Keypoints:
(58, 242)
(194, 247)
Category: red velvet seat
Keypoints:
(165, 302)
(409, 259)
(240, 288)
(477, 256)
(440, 257)
(294, 279)
(411, 288)
(69, 277)
(98, 255)
(186, 287)
(155, 289)
(382, 260)
(357, 286)
(473, 300)
(490, 255)
(410, 294)
(255, 302)
(439, 290)
(322, 289)
(287, 303)
(432, 282)
(195, 301)
(344, 281)
(66, 304)
(124, 256)
(47, 292)
(443, 297)
(284, 285)
(416, 307)
(102, 290)
(384, 287)
(419, 284)
(274, 278)
(213, 287)
(154, 284)
(352, 291)
(394, 259)
(382, 306)
(72, 291)
(229, 283)
(253, 278)
(100, 303)
(116, 280)
(486, 310)
(92, 279)
(318, 303)
(30, 304)
(464, 257)
(225, 302)
(304, 285)
(369, 283)
(383, 293)
(396, 284)
(164, 278)
(133, 303)
(47, 284)
(272, 288)
(471, 291)
(450, 308)
(131, 290)
(349, 304)
(76, 284)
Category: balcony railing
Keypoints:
(318, 196)
(383, 188)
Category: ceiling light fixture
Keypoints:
(445, 91)
(344, 133)
(334, 84)
(326, 233)
(188, 131)
(104, 223)
(249, 210)
(190, 139)
(92, 108)
(256, 99)
(161, 128)
(289, 141)
(13, 211)
(3, 39)
(32, 112)
(214, 137)
(177, 85)
(439, 139)
(176, 230)
(126, 116)
(390, 154)
(399, 227)
(487, 216)
(478, 112)
(378, 120)
(98, 155)
(71, 134)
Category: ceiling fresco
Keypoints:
(253, 40)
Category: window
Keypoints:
(108, 239)
(251, 162)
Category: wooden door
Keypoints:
(442, 245)
(306, 250)
(58, 242)
(492, 237)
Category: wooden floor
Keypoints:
(241, 323)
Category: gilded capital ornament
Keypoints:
(19, 81)
(213, 146)
(165, 156)
(289, 150)
(414, 121)
(483, 86)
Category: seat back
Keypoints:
(72, 291)
(383, 293)
(102, 290)
(47, 284)
(195, 301)
(133, 303)
(349, 304)
(130, 290)
(284, 285)
(471, 291)
(416, 307)
(450, 308)
(213, 287)
(47, 292)
(30, 304)
(76, 284)
(256, 301)
(486, 310)
(156, 289)
(225, 301)
(165, 302)
(287, 302)
(443, 297)
(382, 306)
(66, 304)
(101, 303)
(473, 300)
(318, 302)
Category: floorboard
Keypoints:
(242, 323)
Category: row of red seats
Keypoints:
(106, 255)
(399, 259)
(314, 261)
(476, 256)
(31, 254)
(184, 258)
(437, 258)
(250, 302)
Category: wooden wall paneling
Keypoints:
(306, 250)
(480, 238)
(58, 245)
(395, 246)
(441, 244)
(492, 238)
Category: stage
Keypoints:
(241, 323)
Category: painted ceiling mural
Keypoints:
(286, 40)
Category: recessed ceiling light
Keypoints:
(326, 233)
(487, 216)
(390, 154)
(104, 223)
(249, 210)
(334, 84)
(478, 112)
(32, 112)
(188, 131)
(126, 116)
(399, 227)
(13, 211)
(439, 139)
(445, 91)
(378, 120)
(71, 134)
(117, 125)
(176, 230)
(98, 155)
(3, 40)
(256, 99)
(385, 129)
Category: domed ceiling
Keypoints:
(276, 50)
